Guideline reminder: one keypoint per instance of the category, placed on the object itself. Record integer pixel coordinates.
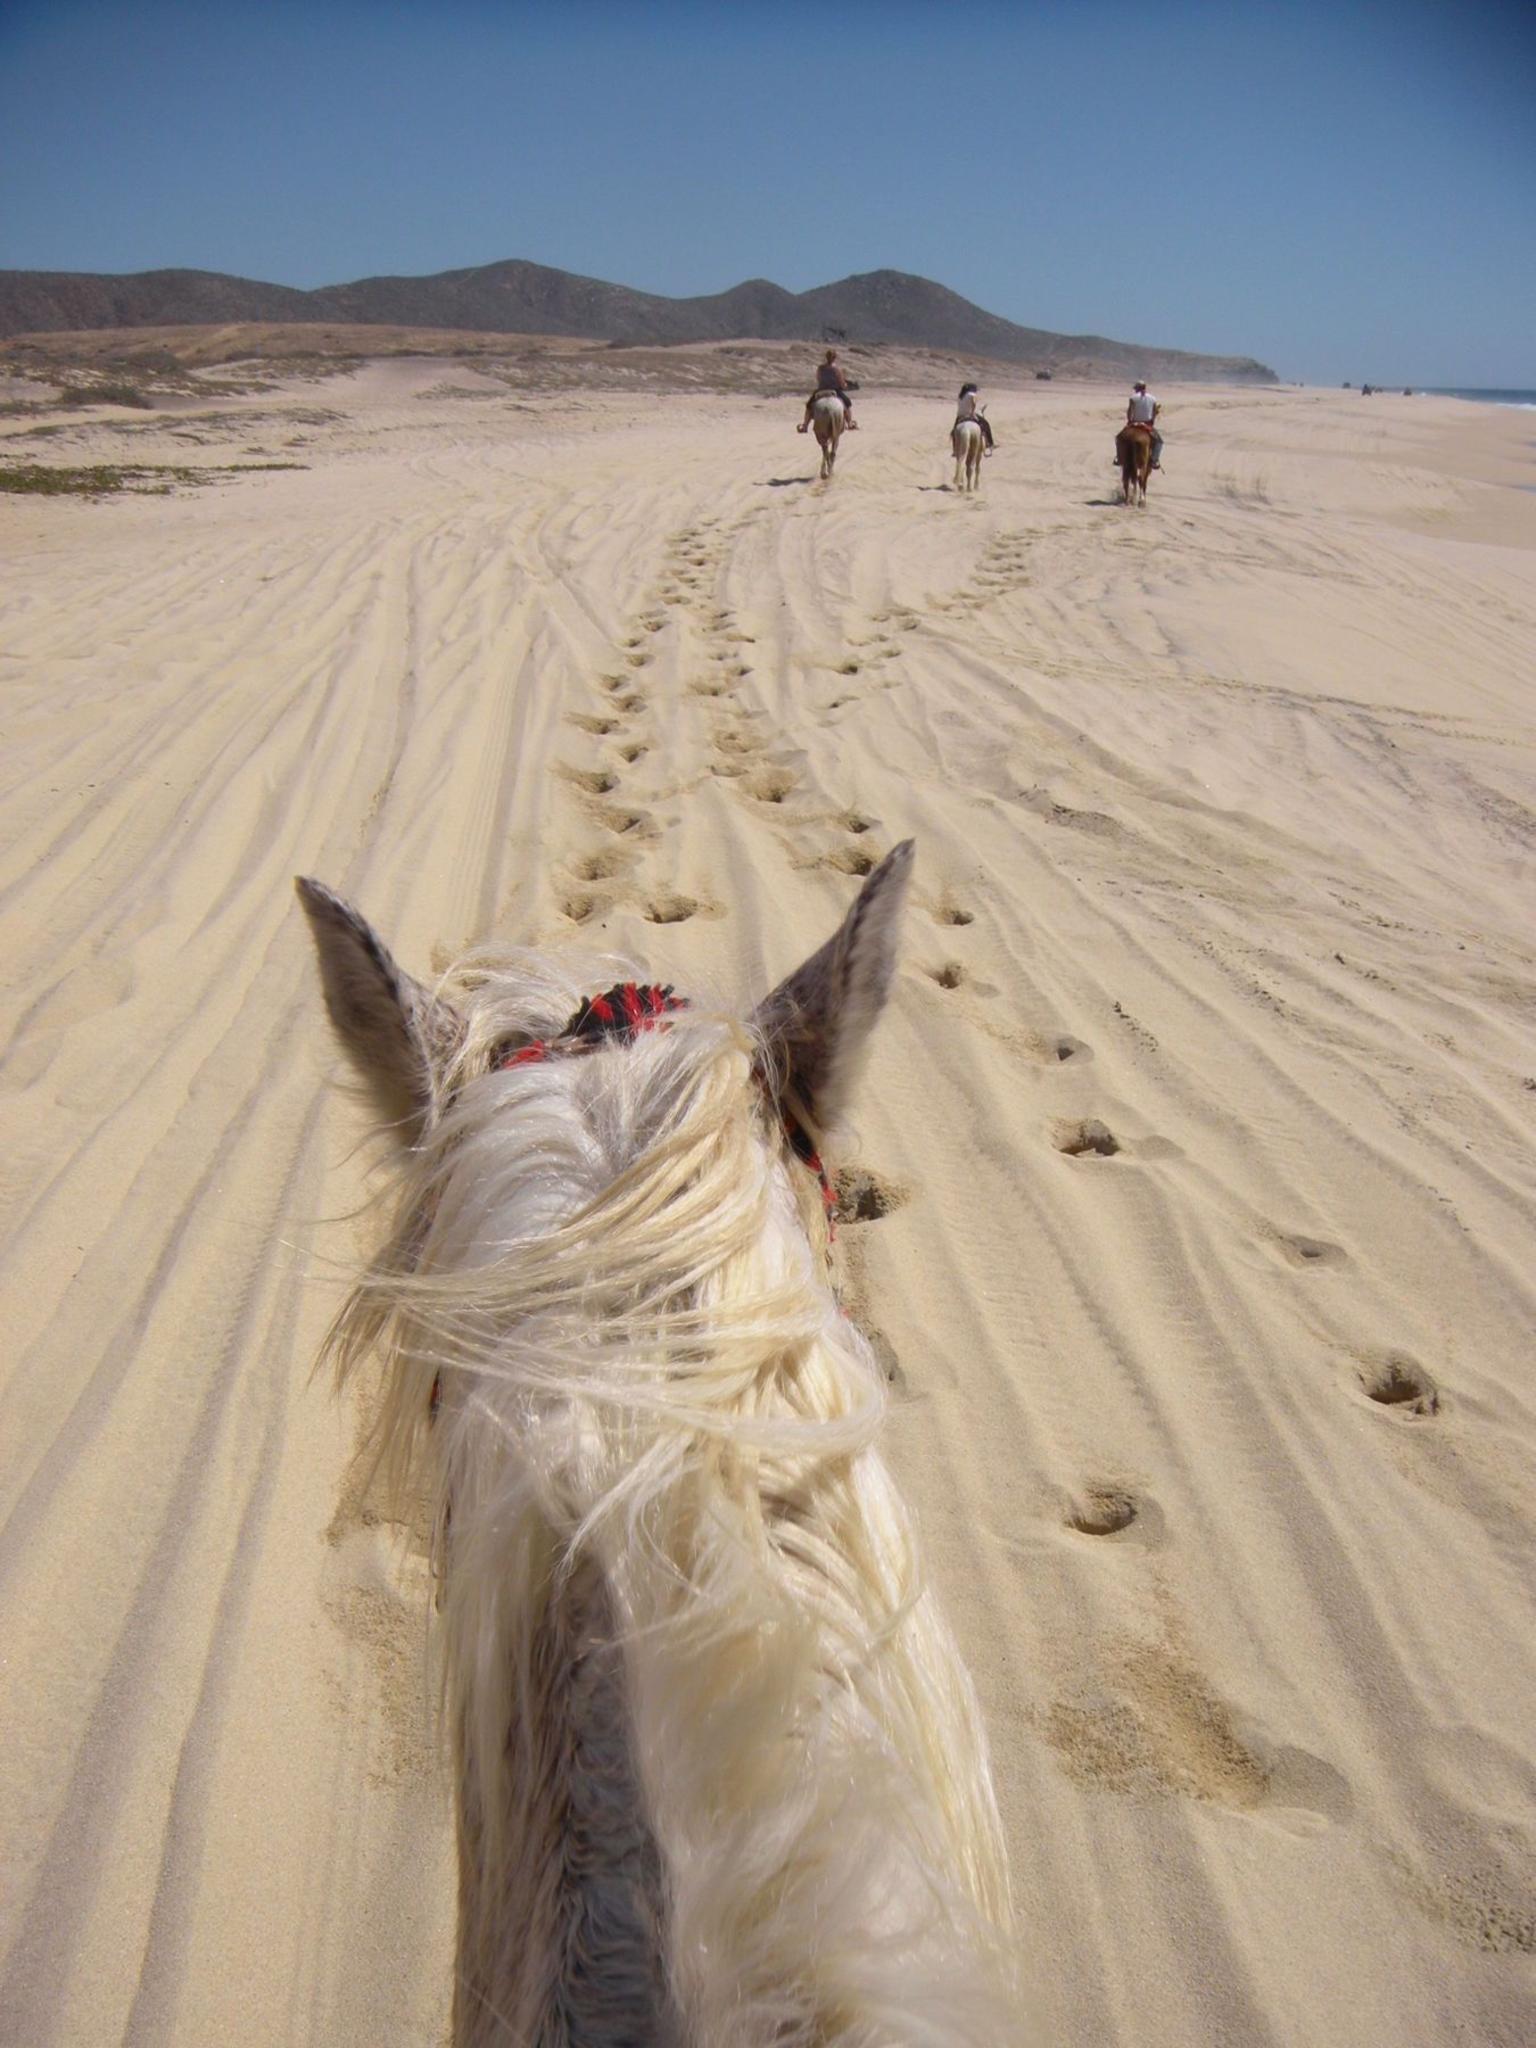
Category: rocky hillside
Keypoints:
(878, 306)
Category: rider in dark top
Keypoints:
(829, 378)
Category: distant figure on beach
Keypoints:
(968, 407)
(1142, 411)
(829, 378)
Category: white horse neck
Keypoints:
(654, 1463)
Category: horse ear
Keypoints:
(816, 1025)
(395, 1031)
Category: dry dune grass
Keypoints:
(1190, 1208)
(131, 361)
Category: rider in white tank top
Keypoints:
(1142, 411)
(968, 407)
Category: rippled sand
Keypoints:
(1197, 1152)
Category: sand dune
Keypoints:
(1200, 1133)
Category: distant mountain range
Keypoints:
(527, 298)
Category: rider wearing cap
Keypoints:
(829, 378)
(1142, 411)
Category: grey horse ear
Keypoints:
(816, 1025)
(395, 1032)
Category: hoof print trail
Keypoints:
(771, 785)
(863, 1197)
(1309, 1251)
(670, 909)
(599, 867)
(1072, 1049)
(1396, 1381)
(623, 821)
(1085, 1137)
(596, 781)
(951, 913)
(730, 740)
(885, 1356)
(848, 860)
(1101, 1511)
(580, 908)
(950, 975)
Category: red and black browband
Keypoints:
(619, 1012)
(622, 1012)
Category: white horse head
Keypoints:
(720, 1772)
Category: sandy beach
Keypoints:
(1201, 1129)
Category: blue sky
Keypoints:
(1346, 191)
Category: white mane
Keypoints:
(721, 1773)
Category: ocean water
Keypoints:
(1525, 399)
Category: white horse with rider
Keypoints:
(829, 410)
(970, 439)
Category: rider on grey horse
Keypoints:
(829, 378)
(968, 407)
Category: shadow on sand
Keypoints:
(778, 483)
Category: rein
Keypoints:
(622, 1013)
